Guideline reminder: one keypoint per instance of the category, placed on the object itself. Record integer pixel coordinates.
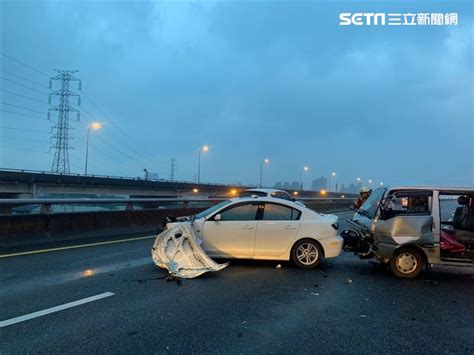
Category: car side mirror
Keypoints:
(217, 217)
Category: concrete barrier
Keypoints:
(38, 229)
(28, 231)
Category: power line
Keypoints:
(24, 96)
(129, 149)
(27, 150)
(115, 148)
(27, 87)
(109, 150)
(101, 153)
(24, 139)
(22, 114)
(23, 129)
(23, 78)
(24, 64)
(21, 107)
(124, 132)
(86, 111)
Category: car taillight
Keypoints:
(335, 226)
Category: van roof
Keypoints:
(431, 188)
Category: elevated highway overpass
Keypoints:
(34, 184)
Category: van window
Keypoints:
(411, 203)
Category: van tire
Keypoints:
(406, 263)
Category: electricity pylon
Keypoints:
(61, 129)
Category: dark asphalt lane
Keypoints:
(345, 305)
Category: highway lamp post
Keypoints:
(333, 174)
(358, 185)
(204, 149)
(94, 126)
(264, 161)
(303, 169)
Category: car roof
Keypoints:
(267, 199)
(268, 191)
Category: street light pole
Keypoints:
(264, 161)
(94, 126)
(204, 149)
(333, 174)
(303, 169)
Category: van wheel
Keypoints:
(306, 254)
(406, 263)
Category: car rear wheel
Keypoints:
(306, 254)
(406, 263)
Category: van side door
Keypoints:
(405, 217)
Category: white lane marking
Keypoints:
(62, 307)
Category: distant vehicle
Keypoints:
(408, 227)
(269, 193)
(267, 228)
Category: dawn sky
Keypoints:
(253, 80)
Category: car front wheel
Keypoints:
(306, 254)
(406, 263)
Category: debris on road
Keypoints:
(349, 280)
(363, 316)
(278, 266)
(177, 250)
(173, 278)
(315, 294)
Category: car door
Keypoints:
(234, 234)
(276, 230)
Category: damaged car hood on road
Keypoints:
(177, 250)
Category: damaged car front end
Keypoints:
(177, 249)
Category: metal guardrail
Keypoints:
(26, 201)
(76, 205)
(22, 201)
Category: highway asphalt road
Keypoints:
(346, 305)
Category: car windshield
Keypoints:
(212, 209)
(369, 207)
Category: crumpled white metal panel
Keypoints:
(177, 250)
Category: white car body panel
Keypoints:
(273, 240)
(230, 238)
(275, 237)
